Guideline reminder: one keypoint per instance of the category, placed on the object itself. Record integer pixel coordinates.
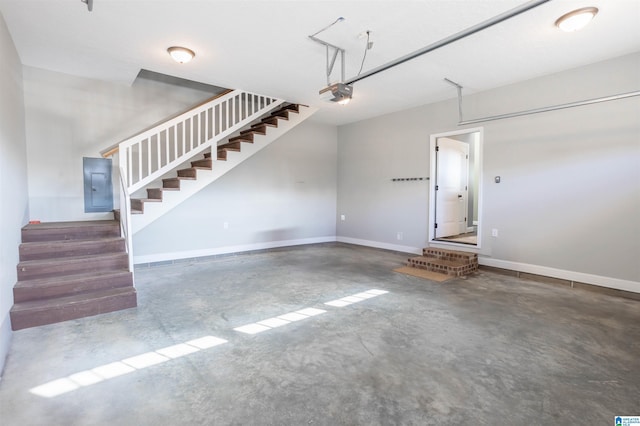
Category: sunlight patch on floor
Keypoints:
(128, 365)
(280, 320)
(355, 298)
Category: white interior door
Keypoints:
(452, 176)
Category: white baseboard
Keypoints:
(377, 244)
(580, 277)
(191, 254)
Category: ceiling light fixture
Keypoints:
(576, 19)
(182, 55)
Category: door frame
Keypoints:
(432, 186)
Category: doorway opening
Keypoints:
(456, 187)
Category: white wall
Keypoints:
(284, 195)
(69, 117)
(570, 193)
(13, 178)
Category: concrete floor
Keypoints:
(487, 350)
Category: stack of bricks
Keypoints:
(449, 262)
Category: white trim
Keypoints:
(432, 182)
(377, 244)
(191, 254)
(615, 283)
(580, 277)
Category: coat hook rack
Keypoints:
(409, 179)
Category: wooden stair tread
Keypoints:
(148, 200)
(64, 243)
(206, 163)
(63, 279)
(188, 171)
(57, 261)
(178, 178)
(247, 137)
(49, 311)
(78, 230)
(74, 225)
(271, 120)
(69, 248)
(255, 130)
(57, 302)
(68, 285)
(291, 107)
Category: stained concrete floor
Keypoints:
(486, 350)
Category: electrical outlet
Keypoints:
(399, 236)
(343, 217)
(225, 225)
(494, 232)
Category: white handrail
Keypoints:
(154, 152)
(125, 217)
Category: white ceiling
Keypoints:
(262, 46)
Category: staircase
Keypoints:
(449, 262)
(257, 132)
(151, 202)
(71, 270)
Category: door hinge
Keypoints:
(435, 226)
(437, 148)
(465, 188)
(436, 187)
(466, 157)
(465, 219)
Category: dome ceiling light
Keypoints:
(576, 19)
(181, 55)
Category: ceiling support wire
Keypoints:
(364, 55)
(463, 122)
(331, 63)
(448, 40)
(459, 88)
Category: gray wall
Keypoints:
(13, 178)
(570, 192)
(285, 193)
(69, 117)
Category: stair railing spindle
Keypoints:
(148, 157)
(127, 164)
(158, 150)
(139, 145)
(184, 138)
